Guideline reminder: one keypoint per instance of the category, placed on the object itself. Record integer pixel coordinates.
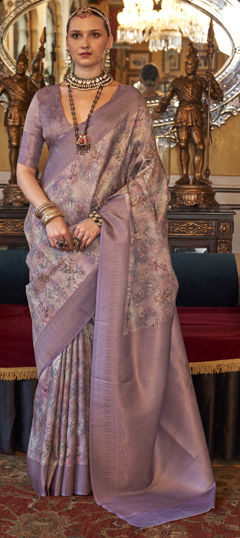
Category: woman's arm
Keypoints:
(56, 229)
(26, 179)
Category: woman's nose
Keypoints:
(85, 42)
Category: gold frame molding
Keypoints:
(10, 18)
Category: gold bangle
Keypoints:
(42, 207)
(47, 217)
(47, 211)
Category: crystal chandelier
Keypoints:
(162, 23)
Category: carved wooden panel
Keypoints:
(192, 228)
(11, 226)
(224, 245)
(225, 229)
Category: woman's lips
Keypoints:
(85, 54)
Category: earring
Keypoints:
(68, 59)
(107, 61)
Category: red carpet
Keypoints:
(24, 514)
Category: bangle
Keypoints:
(96, 218)
(49, 215)
(46, 212)
(40, 209)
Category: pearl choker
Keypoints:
(88, 83)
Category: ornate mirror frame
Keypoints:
(10, 16)
(225, 12)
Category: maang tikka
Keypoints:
(68, 59)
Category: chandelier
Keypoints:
(163, 23)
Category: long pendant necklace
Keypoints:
(82, 140)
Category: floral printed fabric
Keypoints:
(60, 428)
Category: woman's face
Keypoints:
(87, 40)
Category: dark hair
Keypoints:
(149, 73)
(95, 11)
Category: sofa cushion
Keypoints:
(16, 347)
(211, 335)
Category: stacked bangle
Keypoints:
(46, 212)
(96, 218)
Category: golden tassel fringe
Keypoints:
(215, 367)
(207, 367)
(12, 374)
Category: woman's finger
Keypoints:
(83, 242)
(78, 232)
(69, 240)
(76, 243)
(89, 241)
(52, 242)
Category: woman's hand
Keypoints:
(86, 231)
(58, 231)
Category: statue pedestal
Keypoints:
(190, 196)
(13, 196)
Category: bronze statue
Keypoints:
(190, 115)
(37, 75)
(19, 89)
(37, 64)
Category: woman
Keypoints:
(102, 298)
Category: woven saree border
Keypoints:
(18, 374)
(215, 367)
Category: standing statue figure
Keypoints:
(190, 115)
(19, 89)
(37, 75)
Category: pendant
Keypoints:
(83, 143)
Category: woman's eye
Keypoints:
(96, 34)
(75, 35)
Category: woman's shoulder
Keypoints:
(131, 96)
(47, 93)
(131, 91)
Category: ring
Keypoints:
(61, 243)
(77, 241)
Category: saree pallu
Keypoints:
(122, 383)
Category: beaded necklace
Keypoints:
(82, 140)
(88, 83)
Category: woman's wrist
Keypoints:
(96, 217)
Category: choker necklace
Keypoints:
(82, 140)
(88, 83)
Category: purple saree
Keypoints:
(115, 410)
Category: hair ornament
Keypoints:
(85, 12)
